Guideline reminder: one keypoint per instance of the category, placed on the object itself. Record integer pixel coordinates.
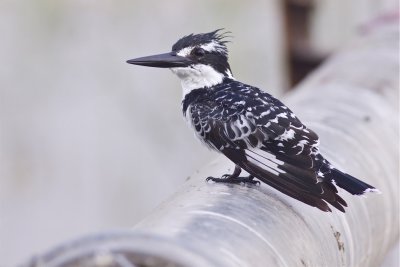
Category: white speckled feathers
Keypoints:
(262, 136)
(248, 118)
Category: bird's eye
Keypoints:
(198, 52)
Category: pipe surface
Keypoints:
(352, 103)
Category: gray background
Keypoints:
(90, 143)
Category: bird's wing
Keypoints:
(261, 135)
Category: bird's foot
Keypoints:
(227, 178)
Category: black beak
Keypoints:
(167, 60)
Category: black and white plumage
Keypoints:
(249, 126)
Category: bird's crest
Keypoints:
(212, 40)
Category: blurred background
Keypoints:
(89, 143)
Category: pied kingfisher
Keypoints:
(253, 129)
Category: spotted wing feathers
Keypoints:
(262, 136)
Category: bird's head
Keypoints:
(199, 60)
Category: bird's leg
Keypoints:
(234, 178)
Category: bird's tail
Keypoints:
(350, 183)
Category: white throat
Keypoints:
(198, 76)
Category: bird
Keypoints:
(253, 129)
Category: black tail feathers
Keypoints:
(350, 183)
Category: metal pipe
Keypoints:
(352, 103)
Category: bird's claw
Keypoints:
(216, 180)
(226, 178)
(256, 182)
(209, 178)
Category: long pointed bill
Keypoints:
(167, 60)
